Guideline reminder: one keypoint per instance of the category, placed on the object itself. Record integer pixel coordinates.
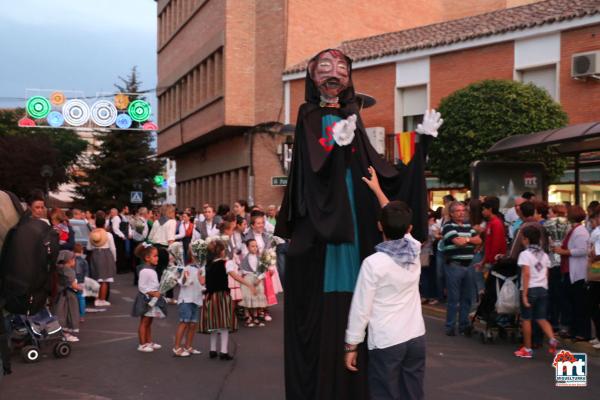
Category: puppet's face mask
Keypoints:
(330, 73)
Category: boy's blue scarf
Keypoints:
(403, 251)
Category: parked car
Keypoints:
(82, 231)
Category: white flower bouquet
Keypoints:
(199, 250)
(169, 278)
(267, 260)
(176, 253)
(223, 238)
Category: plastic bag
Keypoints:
(90, 287)
(508, 296)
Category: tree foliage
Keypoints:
(124, 161)
(481, 114)
(24, 151)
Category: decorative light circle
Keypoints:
(55, 119)
(38, 107)
(104, 113)
(139, 110)
(76, 112)
(124, 121)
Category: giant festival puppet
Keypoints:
(330, 215)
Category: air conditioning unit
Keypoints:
(585, 65)
(376, 136)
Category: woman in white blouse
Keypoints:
(573, 268)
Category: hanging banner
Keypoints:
(405, 143)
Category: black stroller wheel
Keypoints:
(30, 354)
(62, 350)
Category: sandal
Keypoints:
(181, 352)
(193, 351)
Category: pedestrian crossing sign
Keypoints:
(137, 197)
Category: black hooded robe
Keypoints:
(316, 212)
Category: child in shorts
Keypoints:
(534, 290)
(190, 300)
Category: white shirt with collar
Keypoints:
(212, 229)
(163, 234)
(182, 229)
(114, 224)
(578, 247)
(387, 299)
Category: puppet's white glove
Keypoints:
(431, 122)
(343, 131)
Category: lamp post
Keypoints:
(46, 172)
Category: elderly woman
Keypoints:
(573, 268)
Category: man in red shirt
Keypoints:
(495, 238)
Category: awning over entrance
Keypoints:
(572, 140)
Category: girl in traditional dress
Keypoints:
(103, 258)
(253, 302)
(149, 303)
(218, 317)
(66, 307)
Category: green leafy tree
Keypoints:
(124, 161)
(481, 114)
(25, 151)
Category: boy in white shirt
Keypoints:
(534, 290)
(386, 298)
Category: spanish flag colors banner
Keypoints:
(406, 146)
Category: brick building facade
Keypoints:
(220, 66)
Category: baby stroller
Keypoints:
(487, 321)
(41, 330)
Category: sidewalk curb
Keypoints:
(439, 311)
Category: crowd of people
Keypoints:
(230, 281)
(557, 248)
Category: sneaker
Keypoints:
(75, 330)
(71, 338)
(155, 346)
(524, 353)
(553, 344)
(144, 348)
(225, 356)
(181, 352)
(450, 332)
(193, 351)
(594, 341)
(268, 318)
(212, 354)
(105, 303)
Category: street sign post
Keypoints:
(279, 180)
(136, 197)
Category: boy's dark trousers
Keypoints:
(405, 364)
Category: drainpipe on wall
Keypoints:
(251, 170)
